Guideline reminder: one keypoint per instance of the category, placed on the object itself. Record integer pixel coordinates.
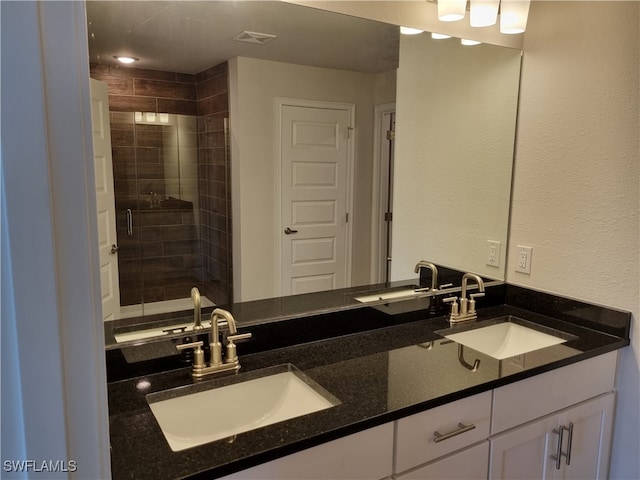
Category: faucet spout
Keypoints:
(215, 346)
(220, 313)
(434, 272)
(471, 276)
(197, 312)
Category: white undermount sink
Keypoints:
(194, 415)
(504, 340)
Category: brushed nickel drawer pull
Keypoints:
(569, 443)
(559, 452)
(462, 428)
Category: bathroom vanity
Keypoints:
(407, 402)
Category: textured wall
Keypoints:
(576, 187)
(454, 151)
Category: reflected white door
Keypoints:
(315, 158)
(107, 239)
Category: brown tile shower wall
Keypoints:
(165, 242)
(215, 181)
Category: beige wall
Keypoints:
(455, 130)
(577, 181)
(254, 86)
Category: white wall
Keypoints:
(455, 130)
(577, 179)
(254, 86)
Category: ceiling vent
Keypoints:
(254, 37)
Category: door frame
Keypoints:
(377, 207)
(280, 103)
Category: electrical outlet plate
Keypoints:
(523, 259)
(493, 253)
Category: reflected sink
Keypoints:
(202, 413)
(131, 335)
(394, 295)
(507, 339)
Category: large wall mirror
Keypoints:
(252, 155)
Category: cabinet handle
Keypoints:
(559, 453)
(569, 443)
(462, 428)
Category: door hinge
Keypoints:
(347, 217)
(388, 217)
(391, 135)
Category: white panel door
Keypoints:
(314, 159)
(105, 201)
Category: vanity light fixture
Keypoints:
(126, 59)
(410, 31)
(439, 36)
(466, 41)
(483, 13)
(150, 117)
(513, 16)
(451, 10)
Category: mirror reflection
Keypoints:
(282, 182)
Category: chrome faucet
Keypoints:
(434, 272)
(197, 312)
(467, 310)
(219, 318)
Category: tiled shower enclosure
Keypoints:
(171, 167)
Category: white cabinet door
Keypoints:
(526, 452)
(365, 455)
(469, 464)
(589, 449)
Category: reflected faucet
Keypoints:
(434, 272)
(467, 311)
(197, 312)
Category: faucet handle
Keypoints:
(239, 336)
(454, 304)
(198, 353)
(231, 354)
(472, 302)
(446, 285)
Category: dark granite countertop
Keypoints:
(378, 375)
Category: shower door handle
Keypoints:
(288, 231)
(129, 222)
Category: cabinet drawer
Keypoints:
(363, 455)
(469, 464)
(549, 392)
(415, 435)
